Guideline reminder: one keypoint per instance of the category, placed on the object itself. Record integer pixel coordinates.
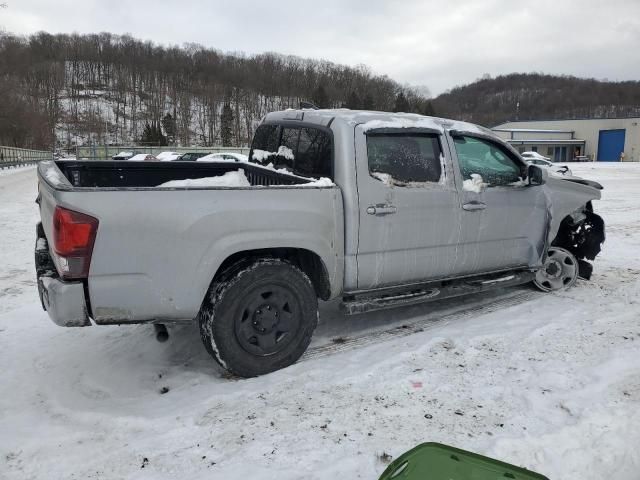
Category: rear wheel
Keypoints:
(259, 317)
(560, 271)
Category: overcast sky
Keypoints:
(421, 42)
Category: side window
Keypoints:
(482, 157)
(404, 158)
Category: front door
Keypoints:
(409, 209)
(505, 220)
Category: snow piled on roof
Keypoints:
(229, 179)
(402, 123)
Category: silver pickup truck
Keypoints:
(377, 209)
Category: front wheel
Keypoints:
(259, 317)
(559, 272)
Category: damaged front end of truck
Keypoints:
(574, 224)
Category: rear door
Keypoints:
(408, 207)
(505, 220)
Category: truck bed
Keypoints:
(125, 174)
(158, 248)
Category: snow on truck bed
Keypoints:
(238, 179)
(546, 381)
(229, 179)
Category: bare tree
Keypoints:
(105, 87)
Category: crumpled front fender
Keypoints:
(564, 197)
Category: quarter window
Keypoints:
(404, 158)
(486, 159)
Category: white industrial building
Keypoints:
(595, 139)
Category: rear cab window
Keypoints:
(405, 159)
(303, 150)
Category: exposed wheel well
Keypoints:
(582, 237)
(306, 260)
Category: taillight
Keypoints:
(74, 234)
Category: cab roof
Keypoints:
(345, 118)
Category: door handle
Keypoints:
(381, 209)
(471, 206)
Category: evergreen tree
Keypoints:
(353, 101)
(152, 135)
(160, 138)
(169, 125)
(226, 126)
(428, 109)
(402, 104)
(368, 103)
(320, 97)
(147, 135)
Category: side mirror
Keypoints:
(535, 175)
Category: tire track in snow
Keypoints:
(422, 324)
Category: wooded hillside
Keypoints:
(521, 96)
(103, 88)
(58, 91)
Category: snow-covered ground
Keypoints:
(550, 382)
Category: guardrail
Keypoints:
(106, 152)
(13, 157)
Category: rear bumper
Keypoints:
(64, 302)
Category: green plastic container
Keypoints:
(434, 461)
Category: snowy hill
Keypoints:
(79, 89)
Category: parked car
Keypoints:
(191, 156)
(168, 156)
(534, 158)
(143, 157)
(123, 156)
(225, 157)
(375, 209)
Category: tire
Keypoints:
(559, 272)
(259, 316)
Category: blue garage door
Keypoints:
(610, 145)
